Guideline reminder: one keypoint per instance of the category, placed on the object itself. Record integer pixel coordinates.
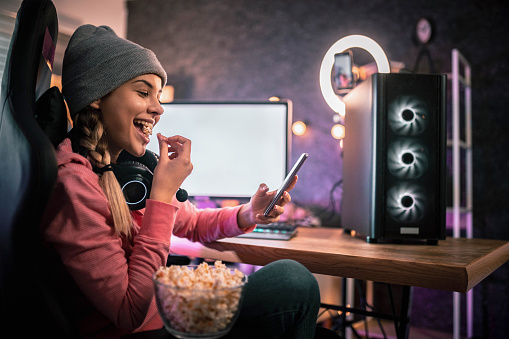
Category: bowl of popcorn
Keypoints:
(199, 301)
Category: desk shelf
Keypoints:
(462, 218)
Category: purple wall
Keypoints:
(251, 50)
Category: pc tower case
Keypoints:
(394, 161)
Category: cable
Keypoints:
(332, 202)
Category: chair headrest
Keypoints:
(51, 114)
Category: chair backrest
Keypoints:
(28, 165)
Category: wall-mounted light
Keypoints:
(167, 94)
(274, 98)
(341, 45)
(299, 128)
(338, 131)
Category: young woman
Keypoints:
(112, 87)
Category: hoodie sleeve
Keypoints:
(209, 224)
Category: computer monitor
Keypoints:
(235, 145)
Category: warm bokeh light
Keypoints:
(274, 98)
(299, 128)
(167, 94)
(338, 131)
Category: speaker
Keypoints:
(394, 161)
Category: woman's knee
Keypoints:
(297, 279)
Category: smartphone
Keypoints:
(343, 75)
(286, 182)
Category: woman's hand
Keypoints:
(252, 212)
(173, 168)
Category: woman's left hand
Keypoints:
(252, 212)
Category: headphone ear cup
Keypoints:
(135, 174)
(149, 159)
(135, 180)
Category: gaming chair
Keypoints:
(28, 172)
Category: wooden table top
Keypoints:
(455, 264)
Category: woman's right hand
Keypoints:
(173, 168)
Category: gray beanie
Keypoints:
(97, 61)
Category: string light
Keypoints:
(299, 128)
(338, 131)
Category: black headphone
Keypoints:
(134, 174)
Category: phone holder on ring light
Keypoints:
(351, 41)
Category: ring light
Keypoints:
(341, 45)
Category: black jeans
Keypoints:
(281, 300)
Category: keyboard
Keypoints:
(275, 231)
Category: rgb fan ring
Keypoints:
(406, 202)
(408, 116)
(407, 159)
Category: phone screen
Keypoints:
(343, 76)
(286, 182)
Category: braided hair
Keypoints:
(90, 139)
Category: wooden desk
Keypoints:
(455, 264)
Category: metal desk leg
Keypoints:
(401, 322)
(343, 313)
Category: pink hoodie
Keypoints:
(113, 273)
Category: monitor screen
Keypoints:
(235, 145)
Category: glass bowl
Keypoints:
(191, 312)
